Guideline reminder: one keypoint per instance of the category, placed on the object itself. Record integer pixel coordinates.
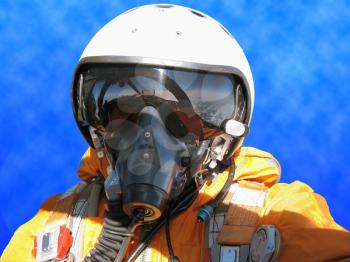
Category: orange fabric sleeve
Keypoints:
(90, 165)
(22, 242)
(256, 165)
(307, 228)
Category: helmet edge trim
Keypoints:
(172, 63)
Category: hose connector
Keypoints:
(205, 213)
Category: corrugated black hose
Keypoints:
(118, 230)
(115, 237)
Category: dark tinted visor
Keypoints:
(200, 101)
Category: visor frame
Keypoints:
(88, 62)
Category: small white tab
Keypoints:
(212, 164)
(235, 128)
(47, 244)
(229, 254)
(249, 197)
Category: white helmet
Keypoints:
(169, 36)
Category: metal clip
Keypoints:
(46, 244)
(53, 244)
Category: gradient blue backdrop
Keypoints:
(299, 53)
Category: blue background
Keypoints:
(299, 53)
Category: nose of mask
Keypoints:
(151, 167)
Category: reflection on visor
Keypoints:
(189, 101)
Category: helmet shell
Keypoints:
(169, 36)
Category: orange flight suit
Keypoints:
(308, 231)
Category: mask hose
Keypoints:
(114, 238)
(117, 231)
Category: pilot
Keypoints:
(164, 95)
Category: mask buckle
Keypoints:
(218, 150)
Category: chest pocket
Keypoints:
(233, 233)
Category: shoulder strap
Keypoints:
(243, 214)
(62, 235)
(234, 221)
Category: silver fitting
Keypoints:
(265, 244)
(235, 128)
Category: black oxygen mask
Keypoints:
(148, 119)
(149, 170)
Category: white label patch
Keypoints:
(248, 197)
(229, 254)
